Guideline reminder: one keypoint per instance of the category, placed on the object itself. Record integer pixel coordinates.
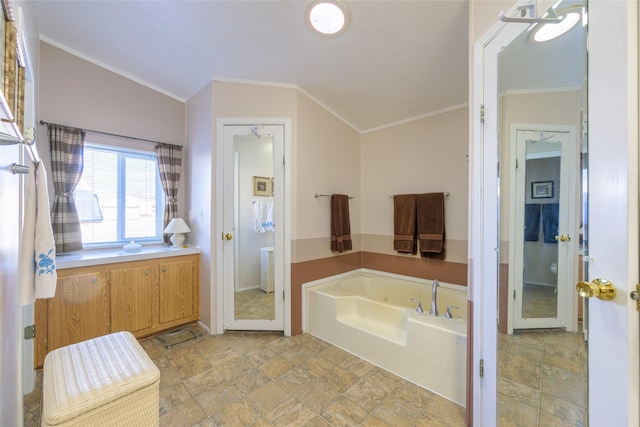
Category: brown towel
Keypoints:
(430, 212)
(404, 223)
(340, 225)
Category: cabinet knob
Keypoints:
(146, 272)
(94, 279)
(164, 269)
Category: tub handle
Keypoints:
(448, 313)
(419, 309)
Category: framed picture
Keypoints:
(542, 190)
(261, 186)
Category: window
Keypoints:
(119, 197)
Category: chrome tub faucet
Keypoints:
(434, 299)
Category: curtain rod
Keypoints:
(42, 122)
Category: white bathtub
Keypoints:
(370, 314)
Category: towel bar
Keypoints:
(316, 195)
(446, 194)
(19, 169)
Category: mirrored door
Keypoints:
(253, 204)
(544, 218)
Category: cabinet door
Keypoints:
(79, 310)
(132, 298)
(176, 290)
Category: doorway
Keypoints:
(253, 226)
(542, 262)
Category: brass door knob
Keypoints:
(563, 238)
(601, 288)
(228, 236)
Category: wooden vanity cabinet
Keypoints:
(142, 297)
(132, 293)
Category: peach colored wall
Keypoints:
(221, 99)
(422, 156)
(327, 161)
(76, 92)
(200, 192)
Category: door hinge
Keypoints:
(30, 332)
(516, 163)
(481, 113)
(481, 368)
(514, 294)
(635, 295)
(283, 295)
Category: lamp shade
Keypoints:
(177, 225)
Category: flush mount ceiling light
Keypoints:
(328, 17)
(552, 30)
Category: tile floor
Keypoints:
(254, 304)
(542, 379)
(264, 379)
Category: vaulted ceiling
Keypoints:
(397, 60)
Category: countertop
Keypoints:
(116, 255)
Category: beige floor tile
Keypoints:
(268, 396)
(173, 396)
(381, 378)
(340, 378)
(186, 414)
(291, 413)
(248, 380)
(563, 384)
(343, 412)
(276, 366)
(204, 381)
(442, 412)
(318, 395)
(558, 397)
(566, 410)
(365, 396)
(296, 379)
(413, 394)
(266, 379)
(374, 421)
(397, 411)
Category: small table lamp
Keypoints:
(177, 226)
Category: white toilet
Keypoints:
(266, 269)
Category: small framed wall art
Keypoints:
(261, 186)
(542, 190)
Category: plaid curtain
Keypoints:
(170, 166)
(67, 160)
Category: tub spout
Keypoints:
(434, 299)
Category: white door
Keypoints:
(613, 247)
(253, 232)
(543, 218)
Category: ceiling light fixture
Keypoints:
(552, 30)
(328, 17)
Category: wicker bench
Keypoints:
(105, 381)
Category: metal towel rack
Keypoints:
(29, 141)
(446, 194)
(316, 195)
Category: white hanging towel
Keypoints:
(37, 274)
(263, 212)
